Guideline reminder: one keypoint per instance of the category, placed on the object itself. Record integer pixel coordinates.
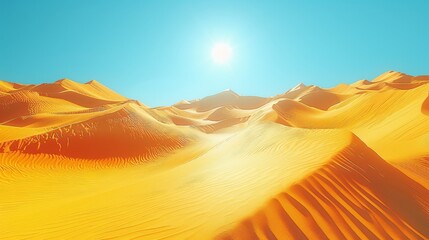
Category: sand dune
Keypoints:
(90, 94)
(80, 161)
(357, 195)
(123, 131)
(83, 121)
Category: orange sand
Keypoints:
(79, 161)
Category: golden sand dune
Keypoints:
(357, 195)
(83, 121)
(124, 130)
(79, 161)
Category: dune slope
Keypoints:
(357, 195)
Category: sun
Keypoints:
(221, 53)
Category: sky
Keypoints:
(159, 52)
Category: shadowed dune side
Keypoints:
(418, 169)
(356, 196)
(125, 132)
(425, 106)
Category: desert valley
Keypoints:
(80, 161)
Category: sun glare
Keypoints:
(221, 53)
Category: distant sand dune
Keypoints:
(225, 98)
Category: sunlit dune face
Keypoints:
(221, 53)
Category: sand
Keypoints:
(79, 161)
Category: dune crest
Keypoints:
(80, 161)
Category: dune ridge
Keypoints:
(78, 160)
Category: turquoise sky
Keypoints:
(159, 51)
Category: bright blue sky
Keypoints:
(159, 51)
